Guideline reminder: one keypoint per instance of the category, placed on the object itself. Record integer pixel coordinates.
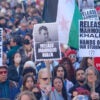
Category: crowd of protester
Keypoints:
(23, 78)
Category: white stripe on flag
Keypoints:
(64, 18)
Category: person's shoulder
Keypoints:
(86, 86)
(69, 82)
(73, 88)
(11, 67)
(21, 48)
(13, 84)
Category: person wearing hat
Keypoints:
(98, 11)
(8, 89)
(72, 54)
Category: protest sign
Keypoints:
(1, 32)
(46, 42)
(90, 14)
(89, 38)
(85, 4)
(97, 63)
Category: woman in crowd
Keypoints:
(28, 82)
(67, 64)
(72, 55)
(60, 71)
(59, 92)
(29, 37)
(15, 70)
(93, 83)
(86, 62)
(26, 51)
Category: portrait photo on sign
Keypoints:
(85, 4)
(46, 42)
(45, 32)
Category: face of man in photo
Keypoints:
(44, 35)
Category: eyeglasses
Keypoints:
(3, 72)
(45, 79)
(72, 56)
(90, 74)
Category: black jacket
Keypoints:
(13, 74)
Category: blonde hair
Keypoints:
(28, 93)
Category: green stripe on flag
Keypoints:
(74, 30)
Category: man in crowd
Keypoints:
(8, 89)
(80, 78)
(44, 81)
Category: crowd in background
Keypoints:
(23, 78)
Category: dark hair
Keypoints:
(38, 19)
(30, 35)
(14, 56)
(18, 6)
(17, 39)
(71, 71)
(55, 71)
(43, 28)
(1, 17)
(25, 79)
(29, 69)
(4, 66)
(84, 63)
(78, 70)
(64, 91)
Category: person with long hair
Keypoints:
(86, 62)
(92, 83)
(59, 92)
(60, 71)
(28, 82)
(67, 64)
(15, 70)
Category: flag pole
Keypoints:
(93, 85)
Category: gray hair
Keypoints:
(43, 70)
(95, 72)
